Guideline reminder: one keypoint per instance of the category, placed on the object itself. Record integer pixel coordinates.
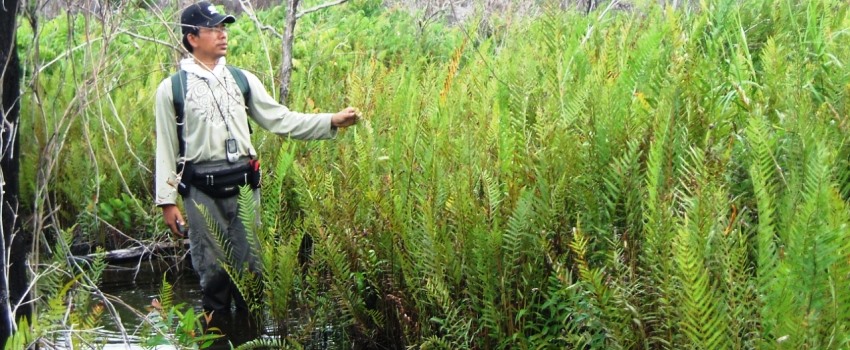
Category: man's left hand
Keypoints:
(344, 118)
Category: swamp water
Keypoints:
(137, 285)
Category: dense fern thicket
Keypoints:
(643, 178)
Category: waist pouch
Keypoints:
(223, 182)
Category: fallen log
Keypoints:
(140, 252)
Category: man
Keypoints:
(206, 152)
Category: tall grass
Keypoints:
(644, 178)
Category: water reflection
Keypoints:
(138, 285)
(239, 327)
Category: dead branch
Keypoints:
(319, 7)
(246, 6)
(139, 252)
(292, 16)
(153, 40)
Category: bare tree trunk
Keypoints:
(288, 37)
(589, 6)
(292, 16)
(13, 279)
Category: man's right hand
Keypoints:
(344, 118)
(173, 219)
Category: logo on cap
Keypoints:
(212, 10)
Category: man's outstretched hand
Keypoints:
(344, 118)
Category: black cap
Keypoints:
(202, 14)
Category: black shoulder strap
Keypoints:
(178, 95)
(242, 82)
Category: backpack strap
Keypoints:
(242, 82)
(178, 95)
(179, 87)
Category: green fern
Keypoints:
(166, 295)
(655, 257)
(247, 281)
(703, 319)
(280, 280)
(351, 306)
(268, 344)
(771, 280)
(22, 338)
(222, 243)
(700, 235)
(248, 211)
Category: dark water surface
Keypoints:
(138, 284)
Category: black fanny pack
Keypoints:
(221, 182)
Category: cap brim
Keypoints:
(219, 19)
(228, 19)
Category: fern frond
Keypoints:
(279, 280)
(517, 234)
(22, 338)
(265, 343)
(222, 242)
(454, 65)
(57, 306)
(703, 320)
(351, 306)
(97, 266)
(579, 247)
(494, 195)
(248, 210)
(656, 258)
(436, 290)
(93, 316)
(249, 284)
(486, 283)
(455, 329)
(761, 172)
(166, 295)
(377, 316)
(572, 110)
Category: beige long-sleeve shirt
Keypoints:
(214, 110)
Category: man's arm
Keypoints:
(165, 179)
(277, 118)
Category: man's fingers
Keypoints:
(173, 219)
(177, 229)
(346, 117)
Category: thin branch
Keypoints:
(115, 112)
(319, 7)
(106, 302)
(137, 36)
(66, 53)
(590, 28)
(36, 277)
(253, 16)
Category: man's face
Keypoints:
(210, 42)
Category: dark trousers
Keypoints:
(218, 237)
